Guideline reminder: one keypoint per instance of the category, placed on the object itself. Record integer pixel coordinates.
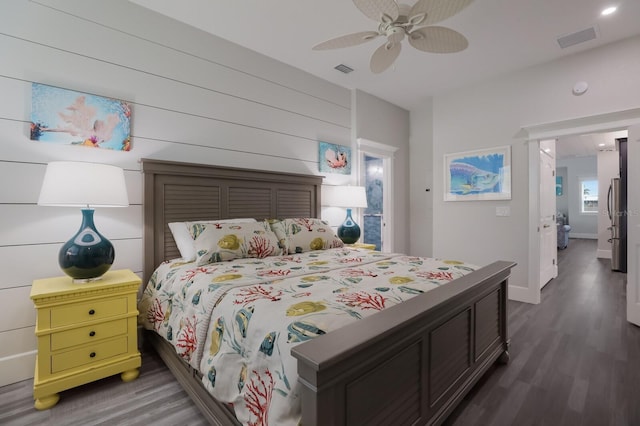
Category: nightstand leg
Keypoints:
(130, 375)
(46, 402)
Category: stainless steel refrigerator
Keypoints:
(617, 215)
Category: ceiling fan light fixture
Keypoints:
(395, 35)
(386, 19)
(395, 21)
(417, 19)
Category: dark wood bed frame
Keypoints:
(409, 364)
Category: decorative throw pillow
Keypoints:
(216, 242)
(185, 242)
(299, 235)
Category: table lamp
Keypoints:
(88, 254)
(349, 197)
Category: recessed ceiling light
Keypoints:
(600, 144)
(609, 11)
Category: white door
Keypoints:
(633, 225)
(547, 216)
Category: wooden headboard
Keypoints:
(178, 192)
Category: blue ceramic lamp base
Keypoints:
(88, 254)
(349, 231)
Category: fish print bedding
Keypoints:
(237, 321)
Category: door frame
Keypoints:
(619, 120)
(387, 154)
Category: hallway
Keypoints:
(575, 360)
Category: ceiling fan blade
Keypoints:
(436, 10)
(384, 57)
(347, 40)
(378, 10)
(438, 40)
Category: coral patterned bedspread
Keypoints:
(237, 321)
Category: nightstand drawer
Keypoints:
(90, 333)
(88, 311)
(88, 355)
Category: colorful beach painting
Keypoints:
(334, 158)
(478, 175)
(64, 116)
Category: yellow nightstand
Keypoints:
(85, 332)
(362, 245)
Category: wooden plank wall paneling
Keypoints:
(194, 97)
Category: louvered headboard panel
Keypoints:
(178, 192)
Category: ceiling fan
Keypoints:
(397, 21)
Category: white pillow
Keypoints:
(184, 241)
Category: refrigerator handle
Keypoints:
(609, 201)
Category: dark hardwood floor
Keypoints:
(574, 361)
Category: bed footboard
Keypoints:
(411, 363)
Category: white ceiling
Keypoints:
(504, 35)
(587, 145)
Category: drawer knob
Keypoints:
(92, 333)
(92, 311)
(92, 354)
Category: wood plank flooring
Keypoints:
(574, 361)
(155, 398)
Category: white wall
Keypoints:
(608, 168)
(421, 181)
(492, 114)
(194, 98)
(583, 225)
(382, 122)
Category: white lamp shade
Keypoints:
(69, 183)
(344, 196)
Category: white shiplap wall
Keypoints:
(194, 98)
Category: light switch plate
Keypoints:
(503, 211)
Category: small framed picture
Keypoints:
(334, 158)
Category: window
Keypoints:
(588, 195)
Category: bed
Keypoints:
(410, 363)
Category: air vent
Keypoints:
(578, 37)
(343, 68)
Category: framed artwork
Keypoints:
(67, 117)
(483, 174)
(334, 158)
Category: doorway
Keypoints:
(376, 175)
(373, 217)
(629, 120)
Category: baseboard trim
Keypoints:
(522, 294)
(18, 367)
(603, 254)
(583, 236)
